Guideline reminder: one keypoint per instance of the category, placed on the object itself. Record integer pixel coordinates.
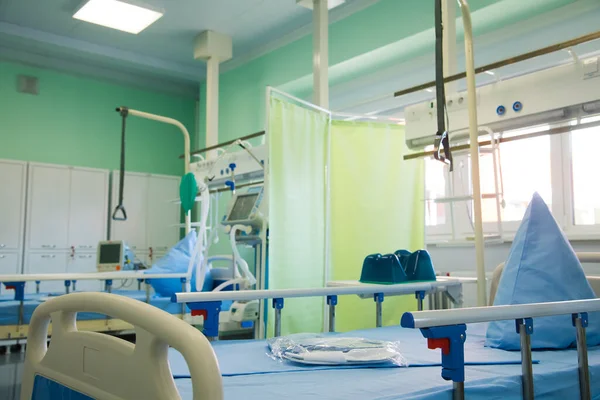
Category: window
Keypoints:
(525, 169)
(435, 188)
(584, 170)
(562, 168)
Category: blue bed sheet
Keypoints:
(256, 359)
(555, 377)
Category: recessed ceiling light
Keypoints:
(118, 14)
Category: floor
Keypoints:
(11, 371)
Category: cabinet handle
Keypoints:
(48, 256)
(83, 246)
(48, 246)
(86, 256)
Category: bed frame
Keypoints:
(106, 367)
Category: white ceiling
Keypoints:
(44, 30)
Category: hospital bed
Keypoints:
(104, 367)
(16, 309)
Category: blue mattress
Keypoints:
(555, 377)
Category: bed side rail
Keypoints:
(446, 330)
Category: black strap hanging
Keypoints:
(123, 111)
(441, 139)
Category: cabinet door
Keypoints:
(133, 231)
(162, 212)
(88, 208)
(84, 263)
(12, 199)
(9, 263)
(46, 263)
(48, 207)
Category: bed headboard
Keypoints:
(105, 367)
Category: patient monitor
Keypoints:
(111, 256)
(246, 208)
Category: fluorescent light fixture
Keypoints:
(330, 3)
(118, 14)
(489, 73)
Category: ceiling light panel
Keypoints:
(115, 14)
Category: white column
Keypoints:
(212, 105)
(321, 53)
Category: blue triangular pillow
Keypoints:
(176, 261)
(541, 267)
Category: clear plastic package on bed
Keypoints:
(335, 350)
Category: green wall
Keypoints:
(72, 121)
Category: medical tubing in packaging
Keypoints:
(317, 349)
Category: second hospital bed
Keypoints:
(104, 367)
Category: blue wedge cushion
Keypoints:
(176, 261)
(541, 267)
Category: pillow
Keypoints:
(176, 261)
(541, 267)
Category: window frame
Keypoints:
(562, 207)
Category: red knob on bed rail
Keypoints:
(443, 344)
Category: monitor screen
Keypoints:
(242, 207)
(110, 253)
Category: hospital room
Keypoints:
(302, 199)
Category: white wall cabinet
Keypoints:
(151, 213)
(13, 185)
(84, 263)
(46, 263)
(13, 180)
(67, 207)
(10, 263)
(48, 207)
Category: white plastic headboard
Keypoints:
(106, 367)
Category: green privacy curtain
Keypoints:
(297, 139)
(376, 207)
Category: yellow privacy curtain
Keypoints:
(297, 139)
(376, 207)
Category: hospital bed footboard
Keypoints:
(106, 367)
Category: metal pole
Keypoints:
(183, 287)
(74, 285)
(445, 303)
(420, 296)
(332, 302)
(430, 298)
(509, 61)
(278, 306)
(277, 322)
(474, 153)
(21, 312)
(525, 328)
(147, 291)
(458, 392)
(378, 309)
(37, 287)
(580, 322)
